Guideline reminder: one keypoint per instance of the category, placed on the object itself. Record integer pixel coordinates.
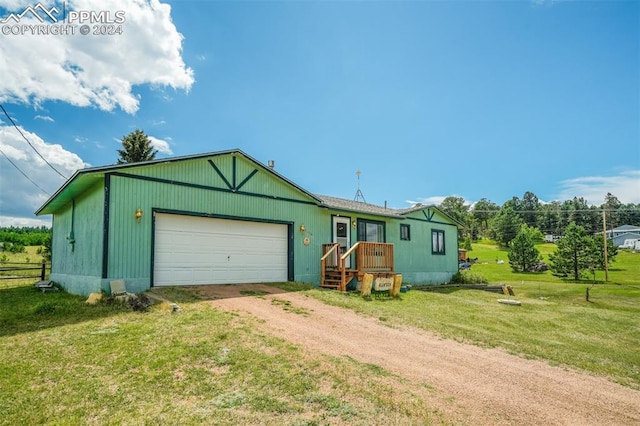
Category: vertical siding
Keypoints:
(130, 241)
(85, 256)
(415, 259)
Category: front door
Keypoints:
(342, 235)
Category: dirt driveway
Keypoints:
(473, 385)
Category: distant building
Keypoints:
(622, 233)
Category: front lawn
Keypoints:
(65, 362)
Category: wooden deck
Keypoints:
(375, 258)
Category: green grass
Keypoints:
(29, 256)
(624, 270)
(65, 362)
(554, 322)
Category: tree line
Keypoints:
(519, 224)
(485, 219)
(24, 236)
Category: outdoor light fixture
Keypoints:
(138, 214)
(353, 224)
(302, 228)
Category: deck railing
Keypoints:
(374, 256)
(369, 257)
(329, 259)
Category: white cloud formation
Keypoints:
(436, 200)
(19, 197)
(19, 222)
(161, 145)
(94, 70)
(428, 201)
(44, 118)
(625, 186)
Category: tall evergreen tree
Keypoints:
(574, 255)
(598, 253)
(550, 220)
(136, 147)
(523, 253)
(505, 225)
(482, 212)
(530, 208)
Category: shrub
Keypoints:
(468, 277)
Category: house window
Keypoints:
(437, 241)
(370, 230)
(405, 232)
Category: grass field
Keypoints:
(65, 362)
(20, 259)
(624, 270)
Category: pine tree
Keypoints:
(575, 253)
(523, 253)
(136, 148)
(505, 225)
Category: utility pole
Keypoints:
(604, 235)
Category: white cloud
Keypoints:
(44, 118)
(95, 70)
(19, 222)
(19, 197)
(436, 200)
(428, 201)
(161, 145)
(625, 186)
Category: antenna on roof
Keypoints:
(359, 196)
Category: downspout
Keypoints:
(71, 238)
(105, 224)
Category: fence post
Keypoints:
(43, 271)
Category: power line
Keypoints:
(23, 173)
(560, 211)
(34, 148)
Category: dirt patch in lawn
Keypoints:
(468, 384)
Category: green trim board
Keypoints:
(431, 221)
(211, 188)
(83, 179)
(252, 192)
(232, 186)
(105, 226)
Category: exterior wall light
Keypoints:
(353, 224)
(302, 228)
(138, 214)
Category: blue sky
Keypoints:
(427, 98)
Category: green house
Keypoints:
(224, 217)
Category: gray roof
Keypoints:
(360, 207)
(357, 206)
(626, 228)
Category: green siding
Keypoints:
(130, 242)
(84, 258)
(200, 172)
(195, 187)
(414, 258)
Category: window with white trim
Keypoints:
(437, 241)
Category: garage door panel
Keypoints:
(194, 250)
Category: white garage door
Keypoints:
(193, 250)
